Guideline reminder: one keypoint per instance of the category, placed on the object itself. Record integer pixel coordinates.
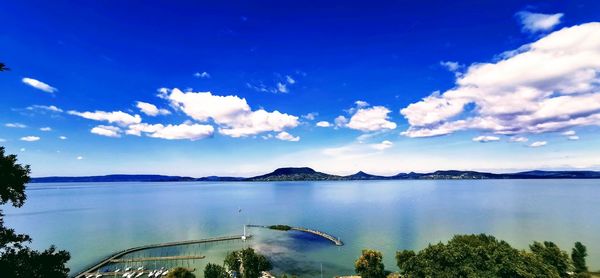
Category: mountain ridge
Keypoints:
(309, 174)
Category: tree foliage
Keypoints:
(578, 255)
(247, 262)
(215, 271)
(370, 264)
(16, 259)
(180, 272)
(3, 67)
(473, 256)
(553, 256)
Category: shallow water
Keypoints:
(93, 220)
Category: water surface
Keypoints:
(92, 220)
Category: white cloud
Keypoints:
(340, 121)
(310, 116)
(568, 133)
(202, 74)
(518, 139)
(15, 125)
(79, 157)
(290, 80)
(62, 137)
(538, 144)
(573, 137)
(287, 137)
(536, 22)
(46, 128)
(232, 114)
(323, 124)
(485, 139)
(106, 130)
(23, 149)
(282, 88)
(2, 140)
(383, 145)
(371, 119)
(39, 85)
(451, 66)
(51, 108)
(151, 109)
(117, 117)
(361, 103)
(30, 138)
(547, 86)
(187, 131)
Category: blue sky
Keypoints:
(198, 88)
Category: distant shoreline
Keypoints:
(308, 174)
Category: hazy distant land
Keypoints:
(308, 174)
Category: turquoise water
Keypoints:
(92, 220)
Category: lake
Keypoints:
(93, 220)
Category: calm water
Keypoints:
(92, 220)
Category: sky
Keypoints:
(240, 88)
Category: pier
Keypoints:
(133, 260)
(116, 256)
(336, 240)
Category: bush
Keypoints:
(370, 264)
(180, 272)
(215, 271)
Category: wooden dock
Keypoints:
(119, 254)
(169, 258)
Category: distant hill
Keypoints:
(295, 174)
(308, 174)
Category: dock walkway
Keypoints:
(119, 254)
(337, 241)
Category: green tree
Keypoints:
(180, 272)
(215, 271)
(16, 259)
(472, 256)
(247, 262)
(370, 264)
(578, 255)
(553, 256)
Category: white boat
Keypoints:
(128, 269)
(125, 274)
(98, 275)
(139, 274)
(152, 273)
(140, 268)
(165, 273)
(118, 269)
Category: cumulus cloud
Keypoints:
(151, 109)
(573, 137)
(537, 144)
(30, 138)
(39, 85)
(232, 114)
(371, 119)
(187, 131)
(46, 128)
(485, 139)
(323, 124)
(202, 74)
(79, 157)
(452, 66)
(62, 137)
(361, 103)
(568, 133)
(547, 86)
(537, 22)
(106, 130)
(340, 121)
(290, 80)
(117, 117)
(383, 145)
(287, 137)
(51, 108)
(15, 125)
